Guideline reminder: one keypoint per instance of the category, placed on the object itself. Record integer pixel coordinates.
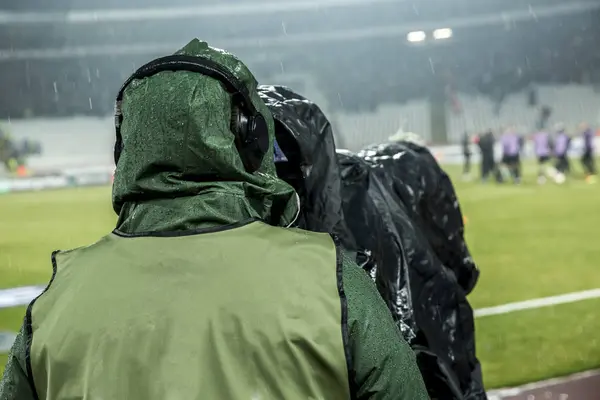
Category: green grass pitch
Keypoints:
(529, 241)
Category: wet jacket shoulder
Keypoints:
(16, 383)
(383, 366)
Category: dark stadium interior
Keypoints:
(333, 45)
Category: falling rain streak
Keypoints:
(431, 66)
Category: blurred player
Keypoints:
(587, 158)
(562, 144)
(466, 149)
(543, 150)
(486, 144)
(511, 154)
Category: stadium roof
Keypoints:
(358, 51)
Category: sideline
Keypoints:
(19, 296)
(499, 394)
(538, 303)
(22, 296)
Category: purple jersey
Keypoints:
(561, 144)
(588, 141)
(511, 145)
(541, 144)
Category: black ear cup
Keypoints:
(254, 141)
(250, 138)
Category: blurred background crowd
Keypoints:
(373, 66)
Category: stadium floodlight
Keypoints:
(444, 33)
(416, 36)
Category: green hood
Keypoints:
(179, 168)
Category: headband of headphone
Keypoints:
(248, 124)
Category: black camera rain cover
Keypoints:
(441, 269)
(305, 136)
(355, 198)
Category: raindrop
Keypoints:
(27, 74)
(340, 99)
(532, 13)
(431, 66)
(283, 28)
(55, 90)
(90, 101)
(508, 23)
(89, 75)
(281, 65)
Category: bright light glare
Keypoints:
(417, 36)
(443, 33)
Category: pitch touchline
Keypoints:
(499, 394)
(538, 303)
(22, 296)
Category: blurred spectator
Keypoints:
(587, 158)
(466, 149)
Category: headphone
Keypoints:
(247, 123)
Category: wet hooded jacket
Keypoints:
(193, 296)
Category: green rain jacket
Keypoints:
(193, 296)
